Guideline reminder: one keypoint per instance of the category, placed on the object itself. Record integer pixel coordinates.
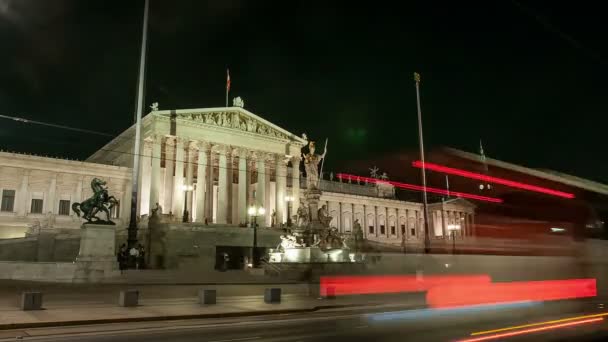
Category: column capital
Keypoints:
(156, 138)
(193, 145)
(204, 146)
(170, 140)
(148, 142)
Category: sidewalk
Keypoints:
(92, 311)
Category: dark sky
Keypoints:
(530, 81)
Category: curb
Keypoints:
(12, 326)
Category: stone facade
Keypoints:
(230, 159)
(40, 190)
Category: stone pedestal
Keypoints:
(97, 257)
(312, 255)
(313, 197)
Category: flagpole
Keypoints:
(227, 84)
(132, 229)
(427, 238)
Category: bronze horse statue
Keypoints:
(100, 201)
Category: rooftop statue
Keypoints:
(100, 201)
(373, 172)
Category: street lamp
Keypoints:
(254, 212)
(289, 199)
(453, 228)
(186, 188)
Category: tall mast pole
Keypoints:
(132, 230)
(427, 238)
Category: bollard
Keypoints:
(31, 301)
(206, 296)
(272, 296)
(128, 298)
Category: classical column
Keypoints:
(281, 188)
(260, 191)
(387, 222)
(352, 218)
(268, 159)
(143, 202)
(365, 224)
(444, 225)
(178, 192)
(155, 181)
(192, 152)
(242, 188)
(78, 193)
(49, 204)
(209, 204)
(340, 223)
(201, 181)
(473, 228)
(222, 195)
(295, 184)
(169, 171)
(376, 226)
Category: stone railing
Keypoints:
(369, 190)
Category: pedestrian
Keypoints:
(142, 256)
(121, 257)
(226, 259)
(134, 256)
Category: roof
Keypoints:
(554, 176)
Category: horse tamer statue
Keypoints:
(100, 201)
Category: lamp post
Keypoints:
(254, 212)
(186, 188)
(289, 199)
(453, 228)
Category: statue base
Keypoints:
(314, 228)
(96, 259)
(311, 255)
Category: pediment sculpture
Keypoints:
(235, 120)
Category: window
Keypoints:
(371, 229)
(393, 232)
(64, 207)
(115, 211)
(402, 229)
(382, 230)
(8, 200)
(413, 232)
(36, 206)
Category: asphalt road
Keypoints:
(386, 323)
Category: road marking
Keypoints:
(238, 339)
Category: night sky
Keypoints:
(528, 80)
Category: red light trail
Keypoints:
(421, 188)
(350, 285)
(489, 179)
(462, 294)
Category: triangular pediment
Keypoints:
(455, 202)
(234, 118)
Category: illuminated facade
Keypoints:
(227, 159)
